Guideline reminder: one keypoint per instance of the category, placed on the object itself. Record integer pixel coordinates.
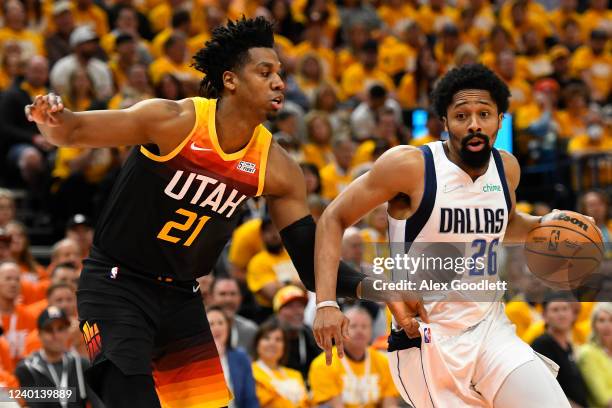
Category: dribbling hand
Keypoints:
(45, 110)
(405, 313)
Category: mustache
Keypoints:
(466, 139)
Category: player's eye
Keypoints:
(460, 116)
(265, 74)
(484, 114)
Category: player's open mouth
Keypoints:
(277, 103)
(476, 144)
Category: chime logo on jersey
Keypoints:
(204, 191)
(427, 335)
(247, 167)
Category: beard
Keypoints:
(472, 159)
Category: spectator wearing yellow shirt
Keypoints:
(593, 63)
(270, 269)
(391, 12)
(360, 379)
(559, 59)
(572, 120)
(533, 10)
(310, 75)
(15, 31)
(246, 243)
(484, 17)
(87, 13)
(375, 235)
(169, 87)
(435, 127)
(435, 15)
(364, 116)
(136, 89)
(595, 203)
(387, 130)
(363, 74)
(570, 35)
(357, 35)
(127, 24)
(336, 176)
(520, 90)
(304, 10)
(444, 50)
(160, 16)
(598, 15)
(180, 23)
(565, 11)
(123, 60)
(537, 62)
(318, 149)
(315, 42)
(174, 61)
(414, 89)
(276, 386)
(578, 333)
(521, 22)
(499, 39)
(398, 56)
(595, 358)
(12, 67)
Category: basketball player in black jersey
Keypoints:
(172, 211)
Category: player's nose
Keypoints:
(278, 84)
(474, 125)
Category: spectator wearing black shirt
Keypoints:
(555, 344)
(289, 304)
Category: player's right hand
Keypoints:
(405, 313)
(330, 324)
(45, 110)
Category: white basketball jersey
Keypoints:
(472, 215)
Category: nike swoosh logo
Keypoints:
(194, 147)
(196, 288)
(448, 189)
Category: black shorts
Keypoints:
(149, 327)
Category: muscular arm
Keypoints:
(519, 224)
(285, 191)
(158, 121)
(386, 179)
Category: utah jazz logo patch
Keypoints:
(91, 334)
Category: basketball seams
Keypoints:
(569, 229)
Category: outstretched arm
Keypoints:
(386, 179)
(158, 121)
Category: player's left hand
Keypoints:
(330, 324)
(405, 313)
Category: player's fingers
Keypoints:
(327, 347)
(28, 114)
(339, 343)
(345, 325)
(413, 329)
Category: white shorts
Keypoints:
(464, 370)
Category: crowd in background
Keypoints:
(358, 79)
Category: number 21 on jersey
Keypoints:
(167, 234)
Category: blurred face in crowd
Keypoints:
(219, 328)
(360, 330)
(66, 274)
(65, 299)
(327, 99)
(176, 52)
(82, 234)
(343, 152)
(280, 10)
(37, 71)
(9, 281)
(559, 316)
(272, 239)
(320, 131)
(64, 22)
(87, 49)
(67, 250)
(292, 314)
(15, 15)
(19, 239)
(169, 88)
(127, 51)
(472, 122)
(270, 347)
(506, 64)
(226, 294)
(7, 210)
(532, 43)
(358, 35)
(352, 247)
(571, 35)
(5, 247)
(378, 218)
(595, 206)
(413, 36)
(387, 127)
(369, 58)
(54, 336)
(603, 327)
(435, 127)
(311, 68)
(138, 78)
(450, 41)
(127, 20)
(568, 5)
(519, 15)
(598, 45)
(560, 65)
(81, 85)
(499, 39)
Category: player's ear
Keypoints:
(445, 123)
(230, 80)
(501, 119)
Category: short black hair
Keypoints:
(227, 50)
(123, 38)
(470, 76)
(180, 17)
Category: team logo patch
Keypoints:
(427, 335)
(113, 273)
(247, 167)
(91, 334)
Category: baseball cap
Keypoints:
(82, 34)
(61, 6)
(286, 295)
(78, 219)
(51, 314)
(558, 51)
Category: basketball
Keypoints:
(564, 249)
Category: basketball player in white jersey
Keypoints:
(445, 354)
